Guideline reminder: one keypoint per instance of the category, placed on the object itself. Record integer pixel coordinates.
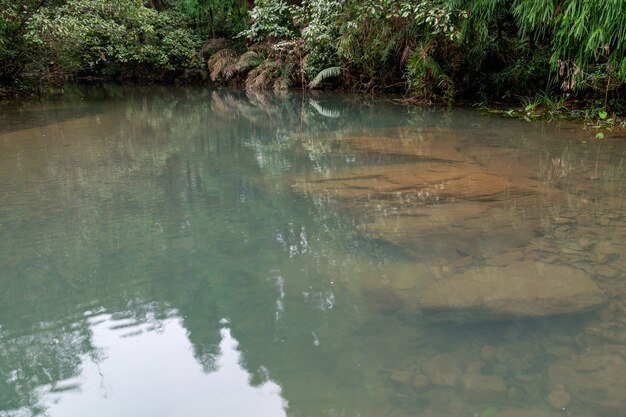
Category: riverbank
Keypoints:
(535, 58)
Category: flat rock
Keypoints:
(518, 290)
(429, 144)
(426, 182)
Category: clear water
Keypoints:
(193, 252)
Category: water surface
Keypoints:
(196, 252)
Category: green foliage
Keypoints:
(270, 19)
(99, 36)
(583, 36)
(16, 51)
(321, 23)
(489, 412)
(434, 50)
(216, 17)
(220, 62)
(324, 74)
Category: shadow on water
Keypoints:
(165, 251)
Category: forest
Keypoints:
(547, 56)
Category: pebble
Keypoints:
(503, 356)
(401, 377)
(443, 370)
(437, 273)
(559, 399)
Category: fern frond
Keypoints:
(282, 83)
(220, 61)
(324, 111)
(324, 74)
(260, 78)
(248, 60)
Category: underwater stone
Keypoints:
(443, 370)
(559, 399)
(519, 290)
(595, 379)
(484, 388)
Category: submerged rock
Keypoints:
(401, 377)
(443, 370)
(595, 379)
(420, 382)
(519, 290)
(559, 399)
(484, 388)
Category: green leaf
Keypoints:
(324, 74)
(599, 135)
(602, 115)
(489, 412)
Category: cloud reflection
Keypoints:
(154, 373)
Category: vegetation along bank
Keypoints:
(549, 56)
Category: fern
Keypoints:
(324, 74)
(324, 111)
(248, 60)
(220, 61)
(261, 77)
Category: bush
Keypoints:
(270, 19)
(105, 37)
(216, 18)
(15, 49)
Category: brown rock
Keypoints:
(484, 388)
(443, 370)
(606, 252)
(420, 382)
(475, 367)
(506, 258)
(605, 271)
(401, 377)
(595, 379)
(521, 289)
(559, 399)
(463, 262)
(503, 356)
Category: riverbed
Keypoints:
(200, 252)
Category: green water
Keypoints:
(166, 252)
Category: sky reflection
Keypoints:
(147, 371)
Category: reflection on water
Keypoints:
(370, 259)
(136, 366)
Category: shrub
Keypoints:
(100, 36)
